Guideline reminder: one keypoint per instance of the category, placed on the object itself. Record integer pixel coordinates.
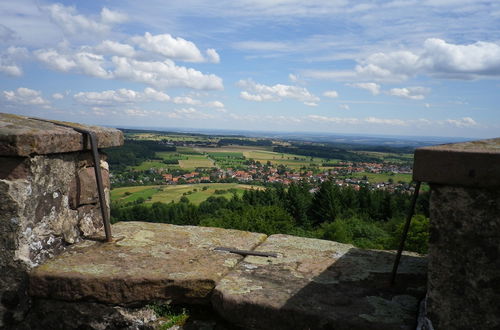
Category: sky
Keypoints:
(373, 67)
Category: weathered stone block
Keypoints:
(145, 262)
(90, 220)
(464, 258)
(13, 168)
(53, 314)
(39, 199)
(317, 284)
(87, 191)
(22, 136)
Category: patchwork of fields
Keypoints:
(196, 193)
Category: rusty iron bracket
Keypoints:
(98, 176)
(404, 235)
(247, 252)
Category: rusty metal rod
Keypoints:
(100, 185)
(247, 252)
(98, 176)
(411, 211)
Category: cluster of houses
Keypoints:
(270, 174)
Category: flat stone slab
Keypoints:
(23, 136)
(146, 262)
(475, 163)
(317, 284)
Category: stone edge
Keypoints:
(455, 164)
(54, 138)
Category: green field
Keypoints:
(389, 157)
(195, 161)
(146, 165)
(167, 194)
(384, 177)
(290, 160)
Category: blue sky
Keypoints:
(402, 67)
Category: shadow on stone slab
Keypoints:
(316, 284)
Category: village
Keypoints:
(345, 174)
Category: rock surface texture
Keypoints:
(464, 246)
(464, 258)
(146, 262)
(23, 136)
(316, 284)
(48, 199)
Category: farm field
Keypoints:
(384, 177)
(167, 194)
(388, 157)
(148, 164)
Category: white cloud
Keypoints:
(384, 121)
(438, 58)
(331, 94)
(336, 120)
(83, 62)
(54, 60)
(311, 104)
(345, 107)
(164, 74)
(73, 23)
(212, 56)
(412, 93)
(154, 95)
(137, 112)
(91, 64)
(8, 59)
(373, 88)
(25, 96)
(112, 17)
(185, 100)
(173, 48)
(11, 70)
(259, 92)
(480, 59)
(293, 78)
(189, 113)
(422, 122)
(155, 73)
(462, 122)
(57, 96)
(113, 97)
(115, 48)
(215, 104)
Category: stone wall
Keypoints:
(464, 258)
(48, 200)
(464, 247)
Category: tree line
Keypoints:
(366, 218)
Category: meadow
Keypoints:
(196, 193)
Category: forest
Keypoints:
(366, 218)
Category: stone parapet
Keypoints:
(48, 198)
(464, 248)
(24, 136)
(471, 164)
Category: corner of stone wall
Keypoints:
(47, 203)
(464, 245)
(48, 199)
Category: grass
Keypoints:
(171, 315)
(167, 194)
(389, 157)
(234, 148)
(146, 165)
(384, 177)
(195, 161)
(226, 154)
